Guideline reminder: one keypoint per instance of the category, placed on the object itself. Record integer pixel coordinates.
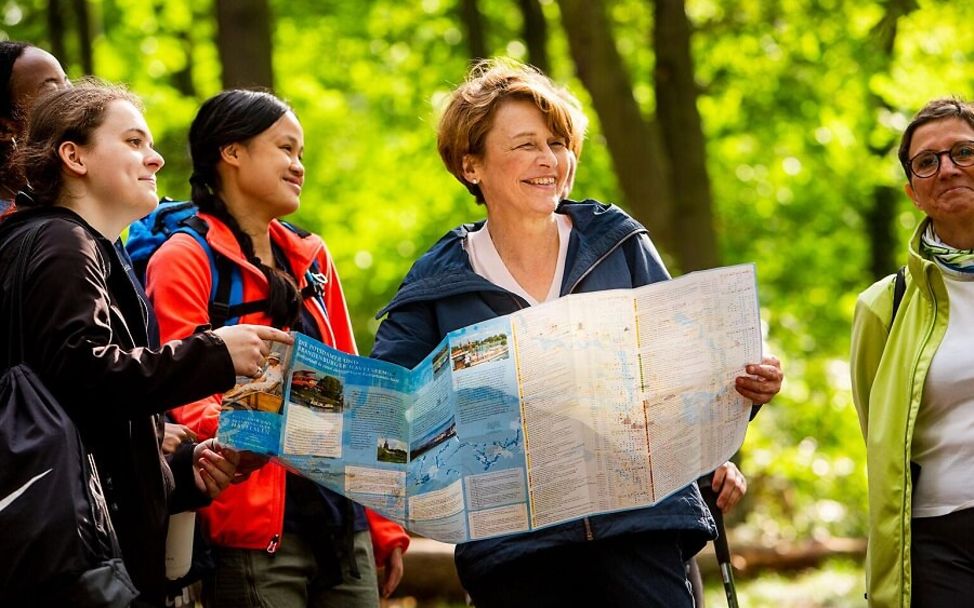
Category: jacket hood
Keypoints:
(445, 269)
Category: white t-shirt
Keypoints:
(488, 263)
(943, 440)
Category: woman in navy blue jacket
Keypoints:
(511, 137)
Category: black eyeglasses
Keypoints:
(927, 163)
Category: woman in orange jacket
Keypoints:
(278, 537)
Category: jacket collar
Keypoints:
(919, 266)
(445, 269)
(301, 249)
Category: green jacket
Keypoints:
(889, 367)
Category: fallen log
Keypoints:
(431, 574)
(785, 557)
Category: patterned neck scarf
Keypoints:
(959, 260)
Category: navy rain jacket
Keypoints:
(607, 250)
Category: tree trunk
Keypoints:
(81, 13)
(880, 216)
(634, 143)
(55, 28)
(679, 120)
(881, 230)
(535, 34)
(244, 43)
(182, 80)
(473, 23)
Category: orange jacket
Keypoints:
(249, 515)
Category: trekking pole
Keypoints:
(720, 544)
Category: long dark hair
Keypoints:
(236, 116)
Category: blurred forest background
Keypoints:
(737, 130)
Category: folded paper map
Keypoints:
(588, 404)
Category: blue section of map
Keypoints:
(499, 453)
(435, 468)
(250, 430)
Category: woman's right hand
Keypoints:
(248, 345)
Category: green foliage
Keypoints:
(838, 584)
(799, 106)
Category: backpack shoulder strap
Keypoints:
(227, 284)
(899, 288)
(315, 280)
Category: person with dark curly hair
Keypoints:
(26, 72)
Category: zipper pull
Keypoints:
(274, 544)
(318, 278)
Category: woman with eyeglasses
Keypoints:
(913, 378)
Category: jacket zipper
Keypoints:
(517, 302)
(589, 270)
(588, 529)
(274, 544)
(906, 475)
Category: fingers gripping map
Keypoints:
(589, 404)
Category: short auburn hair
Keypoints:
(470, 111)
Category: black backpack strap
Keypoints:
(196, 224)
(316, 281)
(899, 288)
(301, 232)
(16, 346)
